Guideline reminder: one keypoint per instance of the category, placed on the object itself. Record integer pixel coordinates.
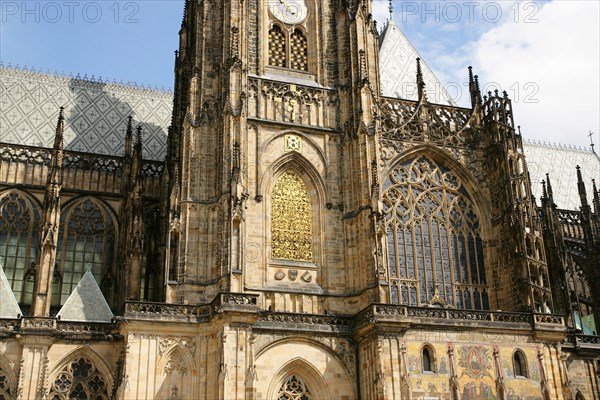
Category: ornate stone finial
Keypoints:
(391, 10)
(420, 81)
(596, 195)
(129, 137)
(55, 173)
(591, 141)
(582, 190)
(550, 194)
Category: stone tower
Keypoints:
(270, 157)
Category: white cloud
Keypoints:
(544, 54)
(550, 68)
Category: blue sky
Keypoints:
(544, 53)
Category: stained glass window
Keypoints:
(294, 389)
(85, 243)
(291, 219)
(277, 47)
(79, 380)
(434, 243)
(19, 240)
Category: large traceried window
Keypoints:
(291, 219)
(19, 241)
(434, 244)
(294, 389)
(86, 241)
(79, 380)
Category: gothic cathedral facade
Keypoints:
(305, 238)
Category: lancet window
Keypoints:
(79, 380)
(86, 242)
(291, 219)
(434, 244)
(19, 241)
(294, 389)
(288, 49)
(277, 47)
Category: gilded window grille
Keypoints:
(434, 244)
(291, 219)
(86, 241)
(79, 379)
(277, 47)
(294, 389)
(19, 240)
(298, 51)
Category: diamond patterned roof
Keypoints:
(9, 308)
(561, 162)
(95, 112)
(86, 303)
(398, 69)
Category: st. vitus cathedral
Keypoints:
(303, 237)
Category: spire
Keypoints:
(136, 168)
(474, 88)
(550, 194)
(582, 191)
(55, 173)
(420, 82)
(49, 227)
(391, 10)
(129, 137)
(596, 198)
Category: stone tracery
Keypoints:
(79, 380)
(435, 249)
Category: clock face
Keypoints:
(288, 11)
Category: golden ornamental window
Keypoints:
(19, 241)
(79, 380)
(291, 219)
(298, 51)
(277, 47)
(288, 49)
(294, 389)
(86, 241)
(434, 244)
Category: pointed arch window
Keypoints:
(520, 364)
(428, 363)
(434, 243)
(79, 380)
(291, 219)
(86, 241)
(294, 389)
(298, 51)
(19, 240)
(288, 49)
(277, 47)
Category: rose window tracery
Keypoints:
(294, 389)
(291, 219)
(79, 380)
(435, 249)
